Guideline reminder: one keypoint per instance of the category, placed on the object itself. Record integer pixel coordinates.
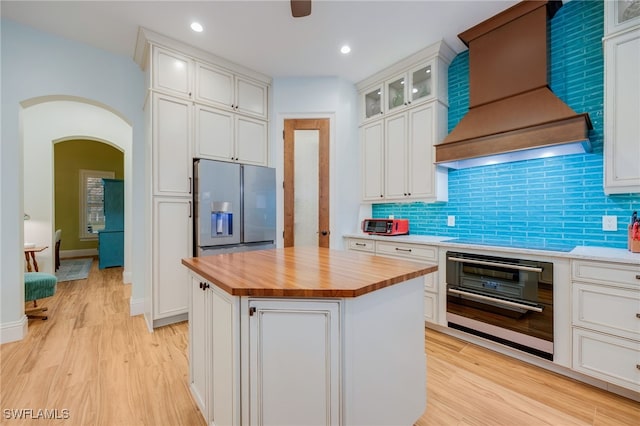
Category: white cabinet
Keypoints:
(410, 87)
(171, 146)
(622, 113)
(620, 15)
(199, 344)
(213, 352)
(409, 251)
(225, 136)
(171, 243)
(606, 321)
(172, 73)
(230, 91)
(404, 114)
(290, 339)
(409, 170)
(372, 143)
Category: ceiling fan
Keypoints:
(300, 8)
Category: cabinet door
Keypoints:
(372, 138)
(371, 103)
(214, 138)
(172, 161)
(199, 341)
(299, 385)
(251, 97)
(420, 167)
(421, 88)
(171, 243)
(172, 73)
(214, 86)
(622, 113)
(396, 93)
(396, 157)
(251, 141)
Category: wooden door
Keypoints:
(290, 127)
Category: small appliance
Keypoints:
(385, 226)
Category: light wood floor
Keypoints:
(103, 366)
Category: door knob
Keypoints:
(324, 232)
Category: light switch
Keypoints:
(451, 221)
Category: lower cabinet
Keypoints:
(408, 251)
(110, 249)
(606, 322)
(289, 340)
(172, 230)
(307, 361)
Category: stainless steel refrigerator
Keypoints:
(235, 207)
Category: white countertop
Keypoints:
(606, 254)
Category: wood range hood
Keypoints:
(513, 115)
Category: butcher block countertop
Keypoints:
(304, 272)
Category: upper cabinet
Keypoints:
(172, 73)
(620, 15)
(403, 115)
(224, 89)
(622, 97)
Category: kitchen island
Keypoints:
(307, 336)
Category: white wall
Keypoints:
(323, 97)
(36, 64)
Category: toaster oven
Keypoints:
(385, 226)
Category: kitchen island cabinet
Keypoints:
(307, 336)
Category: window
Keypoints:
(91, 202)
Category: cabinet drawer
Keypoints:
(407, 251)
(614, 360)
(607, 309)
(431, 307)
(361, 245)
(607, 273)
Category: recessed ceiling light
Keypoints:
(196, 27)
(345, 49)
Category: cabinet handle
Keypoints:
(409, 194)
(205, 286)
(189, 208)
(638, 315)
(190, 185)
(381, 195)
(252, 310)
(364, 245)
(403, 249)
(638, 366)
(381, 112)
(201, 284)
(637, 277)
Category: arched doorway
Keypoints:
(47, 120)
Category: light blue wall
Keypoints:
(325, 95)
(546, 202)
(38, 64)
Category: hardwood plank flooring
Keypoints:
(103, 366)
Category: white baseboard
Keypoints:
(126, 277)
(65, 254)
(136, 307)
(14, 331)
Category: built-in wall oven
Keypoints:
(503, 299)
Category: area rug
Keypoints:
(74, 269)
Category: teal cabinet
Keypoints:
(111, 238)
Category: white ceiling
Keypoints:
(262, 35)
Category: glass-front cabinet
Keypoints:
(409, 88)
(372, 102)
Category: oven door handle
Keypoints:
(501, 265)
(493, 299)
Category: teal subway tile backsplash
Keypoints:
(547, 202)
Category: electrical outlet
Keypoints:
(392, 216)
(451, 221)
(609, 223)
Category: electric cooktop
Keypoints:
(513, 244)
